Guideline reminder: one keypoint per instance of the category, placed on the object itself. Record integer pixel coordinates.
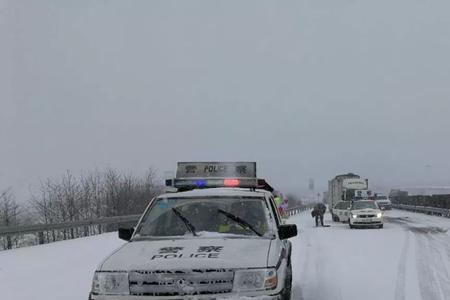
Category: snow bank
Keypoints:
(61, 270)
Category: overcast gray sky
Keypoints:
(306, 88)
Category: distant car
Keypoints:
(365, 213)
(383, 202)
(340, 211)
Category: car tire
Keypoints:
(380, 226)
(286, 292)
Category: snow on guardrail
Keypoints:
(444, 212)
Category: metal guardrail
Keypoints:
(40, 229)
(36, 228)
(444, 212)
(296, 210)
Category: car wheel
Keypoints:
(350, 224)
(381, 226)
(286, 292)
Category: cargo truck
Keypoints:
(343, 188)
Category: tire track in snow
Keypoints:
(434, 277)
(315, 272)
(303, 270)
(432, 260)
(401, 274)
(439, 243)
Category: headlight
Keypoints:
(254, 280)
(379, 215)
(354, 216)
(111, 283)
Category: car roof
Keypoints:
(240, 192)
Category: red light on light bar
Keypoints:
(231, 182)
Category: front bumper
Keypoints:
(365, 223)
(275, 294)
(373, 221)
(199, 297)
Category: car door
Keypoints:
(281, 248)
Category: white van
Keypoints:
(340, 212)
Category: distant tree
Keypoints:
(92, 195)
(9, 212)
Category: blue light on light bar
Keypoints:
(200, 183)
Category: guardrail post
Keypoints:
(41, 237)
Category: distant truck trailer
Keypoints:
(343, 188)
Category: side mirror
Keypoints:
(126, 233)
(287, 231)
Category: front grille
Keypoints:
(366, 216)
(181, 282)
(367, 222)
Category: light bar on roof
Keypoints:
(186, 183)
(231, 182)
(216, 170)
(198, 175)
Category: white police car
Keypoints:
(365, 213)
(220, 237)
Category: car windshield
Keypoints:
(205, 217)
(384, 201)
(364, 204)
(343, 205)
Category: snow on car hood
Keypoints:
(195, 253)
(366, 211)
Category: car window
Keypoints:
(364, 204)
(343, 205)
(338, 206)
(206, 216)
(275, 211)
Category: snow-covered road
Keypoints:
(409, 259)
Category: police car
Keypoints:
(218, 237)
(365, 213)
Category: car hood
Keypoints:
(195, 253)
(366, 211)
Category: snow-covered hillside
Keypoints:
(409, 259)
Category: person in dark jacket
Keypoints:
(318, 212)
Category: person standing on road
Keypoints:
(278, 202)
(284, 206)
(318, 212)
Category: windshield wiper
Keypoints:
(186, 222)
(240, 221)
